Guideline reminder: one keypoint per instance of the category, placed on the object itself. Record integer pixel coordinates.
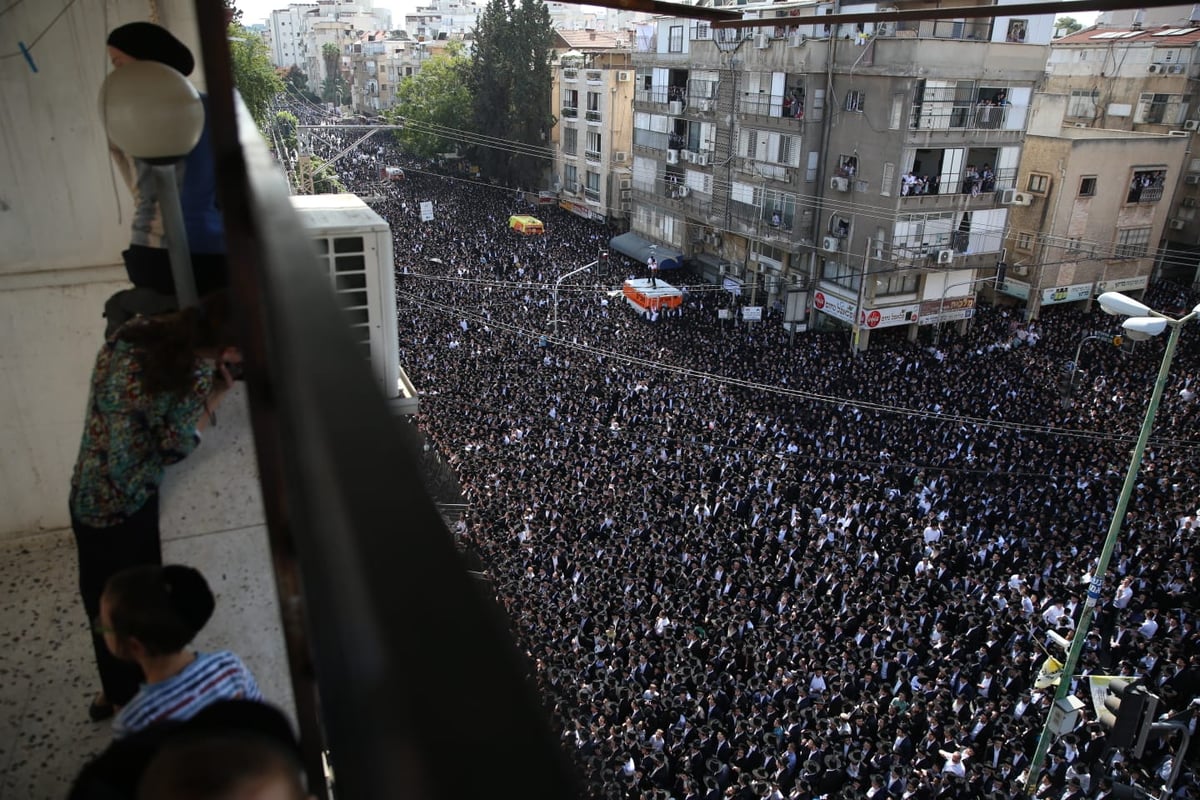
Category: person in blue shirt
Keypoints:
(149, 615)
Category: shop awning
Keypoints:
(637, 248)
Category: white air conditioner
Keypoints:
(945, 256)
(1022, 199)
(675, 107)
(683, 192)
(830, 243)
(705, 105)
(672, 156)
(1177, 224)
(620, 157)
(356, 247)
(623, 75)
(702, 158)
(1154, 68)
(1192, 180)
(1191, 124)
(1006, 196)
(839, 183)
(796, 39)
(1177, 69)
(761, 41)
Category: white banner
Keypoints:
(887, 317)
(1066, 294)
(752, 313)
(426, 211)
(834, 306)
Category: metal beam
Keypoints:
(954, 12)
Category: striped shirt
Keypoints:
(211, 677)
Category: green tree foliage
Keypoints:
(324, 179)
(437, 95)
(296, 82)
(510, 83)
(1068, 24)
(335, 89)
(285, 126)
(256, 80)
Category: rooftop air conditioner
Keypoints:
(839, 183)
(1177, 224)
(623, 75)
(761, 41)
(1191, 125)
(1022, 199)
(672, 156)
(1006, 196)
(945, 256)
(830, 243)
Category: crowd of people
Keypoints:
(743, 565)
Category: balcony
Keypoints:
(570, 112)
(592, 194)
(595, 117)
(595, 76)
(592, 156)
(570, 74)
(777, 106)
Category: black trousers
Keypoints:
(103, 552)
(150, 268)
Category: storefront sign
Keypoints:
(1066, 294)
(1016, 289)
(1122, 285)
(887, 317)
(580, 210)
(953, 308)
(834, 306)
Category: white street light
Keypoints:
(1120, 305)
(1144, 327)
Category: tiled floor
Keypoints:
(211, 519)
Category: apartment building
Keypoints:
(1141, 78)
(378, 62)
(863, 164)
(285, 34)
(443, 19)
(593, 96)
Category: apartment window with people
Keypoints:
(1146, 186)
(1132, 242)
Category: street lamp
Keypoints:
(558, 283)
(1142, 323)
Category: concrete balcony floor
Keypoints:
(212, 520)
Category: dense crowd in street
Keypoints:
(747, 565)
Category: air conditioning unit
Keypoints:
(1191, 124)
(1177, 69)
(945, 256)
(796, 39)
(839, 183)
(683, 192)
(620, 157)
(675, 107)
(1006, 196)
(1192, 180)
(1177, 224)
(830, 243)
(1022, 199)
(1154, 68)
(672, 156)
(1081, 124)
(761, 41)
(356, 244)
(705, 105)
(623, 75)
(703, 157)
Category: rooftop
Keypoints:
(1162, 36)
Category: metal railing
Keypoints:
(594, 116)
(778, 106)
(960, 185)
(592, 155)
(591, 194)
(570, 112)
(570, 74)
(942, 115)
(378, 606)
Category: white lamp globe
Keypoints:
(151, 111)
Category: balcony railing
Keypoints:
(1144, 194)
(779, 106)
(595, 76)
(959, 185)
(651, 95)
(594, 116)
(570, 112)
(570, 74)
(942, 115)
(591, 194)
(593, 156)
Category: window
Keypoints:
(1025, 241)
(1038, 183)
(839, 226)
(593, 145)
(570, 177)
(847, 166)
(1087, 186)
(1165, 109)
(1016, 30)
(570, 141)
(1146, 186)
(856, 100)
(896, 283)
(1132, 242)
(593, 101)
(675, 39)
(1083, 103)
(842, 274)
(889, 177)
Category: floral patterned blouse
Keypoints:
(129, 436)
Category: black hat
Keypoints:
(146, 41)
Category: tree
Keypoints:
(256, 80)
(314, 175)
(285, 126)
(437, 95)
(296, 81)
(510, 83)
(1068, 25)
(335, 89)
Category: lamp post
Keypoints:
(557, 283)
(1143, 323)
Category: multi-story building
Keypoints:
(378, 62)
(809, 157)
(593, 95)
(443, 19)
(1140, 79)
(286, 31)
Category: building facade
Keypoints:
(864, 165)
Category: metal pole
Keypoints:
(937, 330)
(557, 283)
(1114, 531)
(176, 235)
(856, 326)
